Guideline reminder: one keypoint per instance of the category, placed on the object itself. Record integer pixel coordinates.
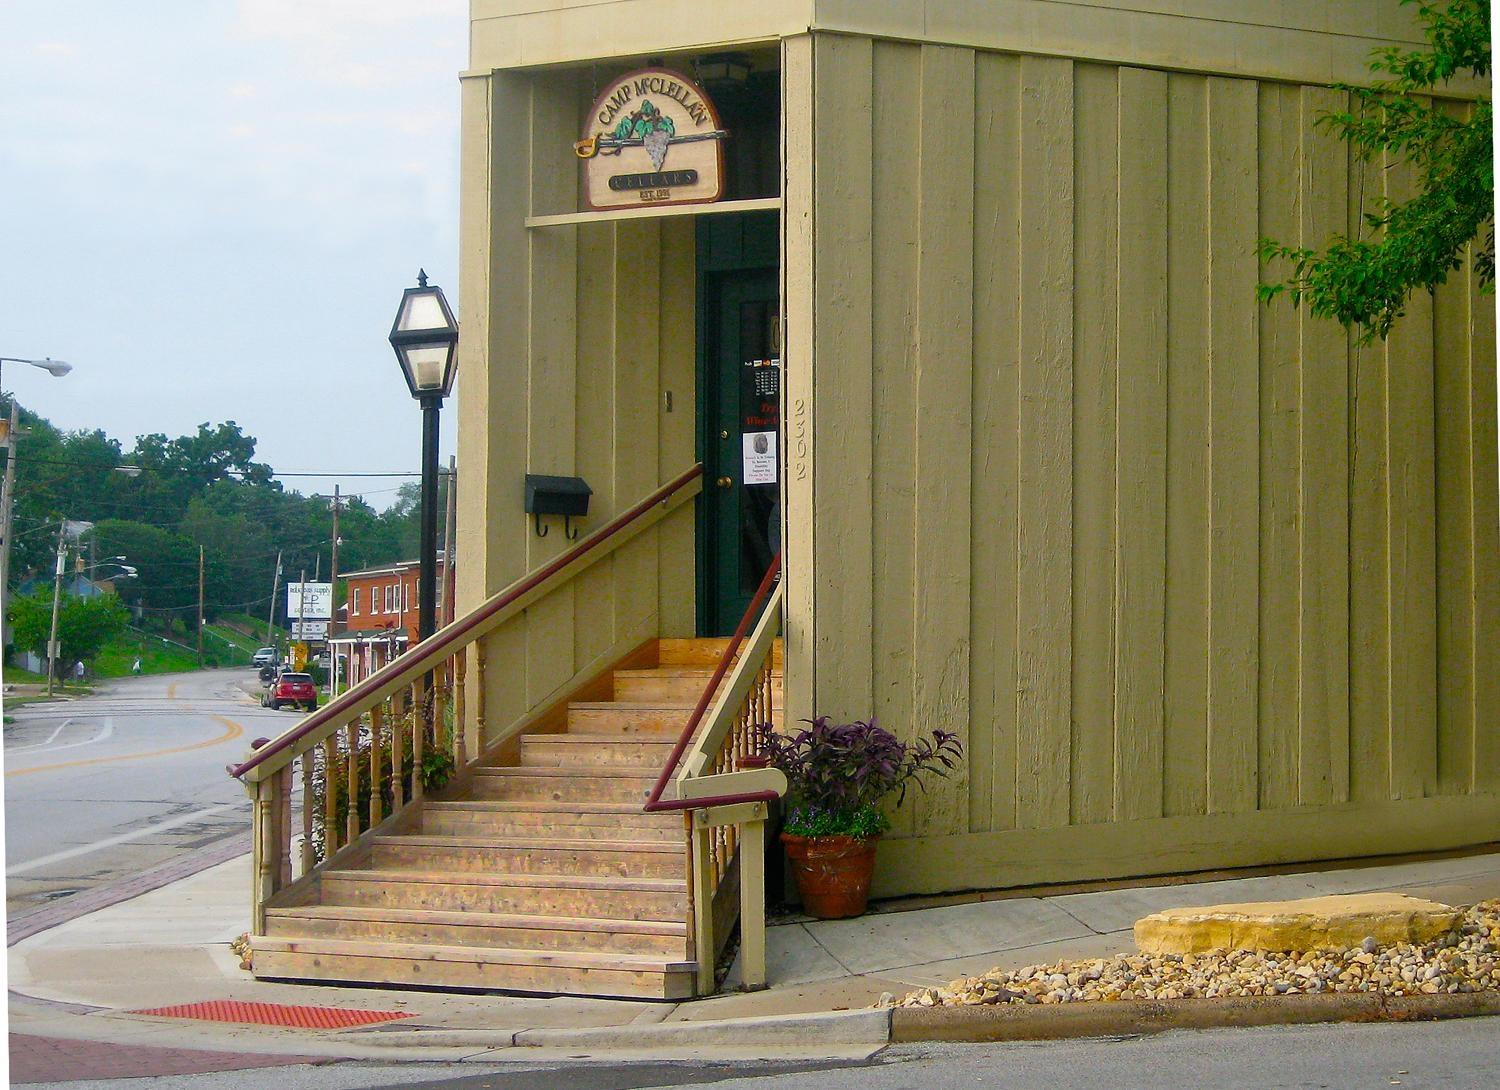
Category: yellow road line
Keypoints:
(233, 730)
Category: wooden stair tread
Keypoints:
(571, 772)
(584, 738)
(512, 878)
(526, 806)
(633, 705)
(513, 920)
(571, 959)
(436, 840)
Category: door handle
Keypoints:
(725, 482)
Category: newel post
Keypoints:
(753, 902)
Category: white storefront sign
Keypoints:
(309, 601)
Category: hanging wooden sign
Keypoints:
(652, 137)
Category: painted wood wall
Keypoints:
(572, 338)
(1199, 583)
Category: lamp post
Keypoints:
(424, 336)
(57, 369)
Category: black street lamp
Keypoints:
(424, 336)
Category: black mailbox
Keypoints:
(565, 496)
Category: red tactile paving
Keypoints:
(275, 1014)
(58, 1059)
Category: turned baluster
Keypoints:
(377, 743)
(461, 732)
(477, 735)
(398, 758)
(284, 825)
(351, 739)
(418, 742)
(439, 695)
(330, 798)
(306, 761)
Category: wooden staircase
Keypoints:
(537, 872)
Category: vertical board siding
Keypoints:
(1234, 438)
(551, 376)
(1281, 369)
(1413, 561)
(637, 359)
(842, 383)
(1485, 534)
(798, 270)
(995, 391)
(1369, 544)
(1323, 624)
(941, 599)
(594, 606)
(1456, 589)
(503, 553)
(1160, 554)
(894, 227)
(1141, 466)
(1097, 222)
(677, 442)
(1186, 655)
(1045, 433)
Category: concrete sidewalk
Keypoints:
(81, 979)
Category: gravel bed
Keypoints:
(1466, 959)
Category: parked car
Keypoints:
(292, 688)
(265, 656)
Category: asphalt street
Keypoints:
(1454, 1055)
(105, 786)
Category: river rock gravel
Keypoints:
(1466, 959)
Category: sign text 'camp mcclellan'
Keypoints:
(653, 84)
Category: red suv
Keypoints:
(293, 689)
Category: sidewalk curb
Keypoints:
(1140, 1016)
(860, 1027)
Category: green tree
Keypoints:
(1365, 282)
(166, 564)
(84, 625)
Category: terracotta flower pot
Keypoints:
(832, 872)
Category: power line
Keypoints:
(43, 460)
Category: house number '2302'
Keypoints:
(799, 438)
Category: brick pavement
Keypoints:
(58, 1059)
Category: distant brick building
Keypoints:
(378, 619)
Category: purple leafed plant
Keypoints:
(837, 773)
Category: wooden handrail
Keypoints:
(654, 802)
(452, 637)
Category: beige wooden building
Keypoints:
(1199, 583)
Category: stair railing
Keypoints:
(727, 789)
(363, 759)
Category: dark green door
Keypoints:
(741, 424)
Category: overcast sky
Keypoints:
(210, 208)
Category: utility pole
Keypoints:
(200, 607)
(449, 528)
(7, 499)
(302, 604)
(271, 613)
(333, 580)
(62, 554)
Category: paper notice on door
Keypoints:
(760, 457)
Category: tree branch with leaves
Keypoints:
(1364, 282)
